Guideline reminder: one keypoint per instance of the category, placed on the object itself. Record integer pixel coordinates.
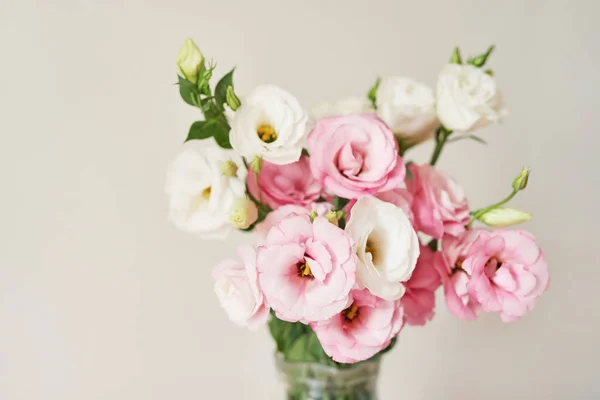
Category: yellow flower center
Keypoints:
(304, 270)
(206, 193)
(350, 313)
(371, 247)
(266, 133)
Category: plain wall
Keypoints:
(101, 298)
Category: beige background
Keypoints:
(100, 298)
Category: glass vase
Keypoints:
(313, 381)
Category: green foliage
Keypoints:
(189, 92)
(372, 94)
(456, 58)
(210, 128)
(481, 59)
(221, 88)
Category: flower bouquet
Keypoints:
(351, 241)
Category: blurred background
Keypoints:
(101, 298)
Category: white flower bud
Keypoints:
(504, 216)
(190, 61)
(243, 213)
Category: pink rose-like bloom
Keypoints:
(284, 184)
(262, 229)
(400, 197)
(508, 272)
(361, 330)
(355, 155)
(236, 286)
(454, 278)
(306, 270)
(439, 203)
(419, 299)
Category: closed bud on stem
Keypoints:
(243, 213)
(504, 216)
(190, 61)
(256, 164)
(229, 168)
(456, 58)
(480, 60)
(232, 100)
(520, 181)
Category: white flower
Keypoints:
(343, 106)
(190, 61)
(270, 124)
(236, 286)
(408, 108)
(467, 98)
(386, 244)
(200, 195)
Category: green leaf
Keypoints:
(199, 130)
(221, 88)
(188, 91)
(481, 59)
(372, 94)
(339, 203)
(221, 135)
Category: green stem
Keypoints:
(480, 212)
(440, 140)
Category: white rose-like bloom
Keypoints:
(467, 98)
(271, 124)
(236, 286)
(343, 106)
(200, 195)
(408, 108)
(386, 244)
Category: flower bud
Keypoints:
(520, 181)
(456, 58)
(256, 164)
(504, 216)
(229, 168)
(243, 213)
(480, 60)
(190, 61)
(232, 100)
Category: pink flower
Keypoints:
(419, 299)
(236, 286)
(355, 155)
(454, 278)
(361, 330)
(399, 197)
(306, 270)
(439, 204)
(279, 185)
(508, 272)
(274, 217)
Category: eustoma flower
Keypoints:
(280, 185)
(270, 124)
(274, 217)
(386, 244)
(236, 286)
(419, 300)
(361, 330)
(306, 270)
(201, 196)
(508, 272)
(408, 108)
(439, 203)
(467, 98)
(449, 264)
(355, 155)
